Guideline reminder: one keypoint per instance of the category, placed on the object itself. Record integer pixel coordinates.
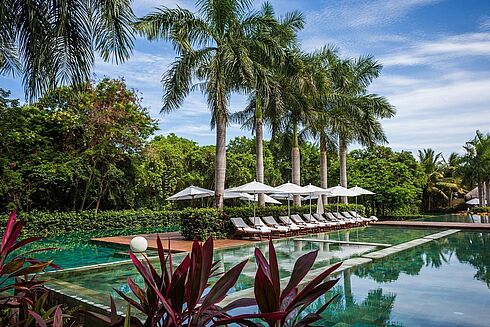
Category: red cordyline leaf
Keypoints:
(176, 289)
(274, 269)
(194, 281)
(240, 303)
(264, 292)
(222, 286)
(301, 267)
(38, 318)
(242, 319)
(311, 285)
(163, 262)
(58, 317)
(8, 228)
(126, 298)
(14, 235)
(151, 283)
(262, 262)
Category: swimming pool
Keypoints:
(73, 250)
(459, 218)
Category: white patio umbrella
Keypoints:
(340, 191)
(190, 193)
(475, 201)
(360, 191)
(236, 195)
(315, 190)
(319, 206)
(291, 189)
(254, 188)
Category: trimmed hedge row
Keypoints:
(53, 223)
(481, 209)
(194, 223)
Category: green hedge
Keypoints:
(195, 223)
(203, 223)
(481, 209)
(53, 223)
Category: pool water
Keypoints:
(467, 218)
(445, 282)
(75, 249)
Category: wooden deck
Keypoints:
(436, 224)
(177, 241)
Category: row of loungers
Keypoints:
(297, 225)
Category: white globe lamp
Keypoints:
(138, 244)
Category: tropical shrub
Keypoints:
(481, 209)
(203, 223)
(22, 296)
(182, 296)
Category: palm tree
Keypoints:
(475, 167)
(353, 113)
(215, 46)
(267, 66)
(52, 42)
(437, 183)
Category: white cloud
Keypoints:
(358, 14)
(440, 50)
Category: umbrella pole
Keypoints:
(356, 204)
(289, 210)
(254, 206)
(310, 203)
(337, 204)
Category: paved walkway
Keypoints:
(431, 224)
(177, 241)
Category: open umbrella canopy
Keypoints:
(254, 187)
(312, 189)
(473, 202)
(361, 191)
(290, 188)
(285, 196)
(237, 195)
(341, 191)
(268, 199)
(190, 193)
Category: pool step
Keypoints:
(341, 242)
(442, 234)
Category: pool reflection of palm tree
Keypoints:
(374, 310)
(473, 248)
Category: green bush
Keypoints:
(201, 224)
(53, 223)
(481, 209)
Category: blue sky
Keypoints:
(436, 57)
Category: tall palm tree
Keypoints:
(267, 66)
(437, 183)
(50, 43)
(475, 167)
(354, 113)
(215, 46)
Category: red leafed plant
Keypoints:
(22, 296)
(177, 297)
(288, 305)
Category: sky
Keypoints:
(435, 56)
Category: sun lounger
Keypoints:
(356, 214)
(331, 223)
(272, 223)
(242, 229)
(331, 217)
(300, 222)
(340, 217)
(323, 224)
(259, 224)
(289, 223)
(349, 216)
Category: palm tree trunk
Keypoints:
(259, 147)
(343, 165)
(480, 193)
(296, 163)
(323, 166)
(487, 191)
(220, 162)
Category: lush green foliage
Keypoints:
(395, 177)
(481, 209)
(204, 223)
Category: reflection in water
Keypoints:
(430, 285)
